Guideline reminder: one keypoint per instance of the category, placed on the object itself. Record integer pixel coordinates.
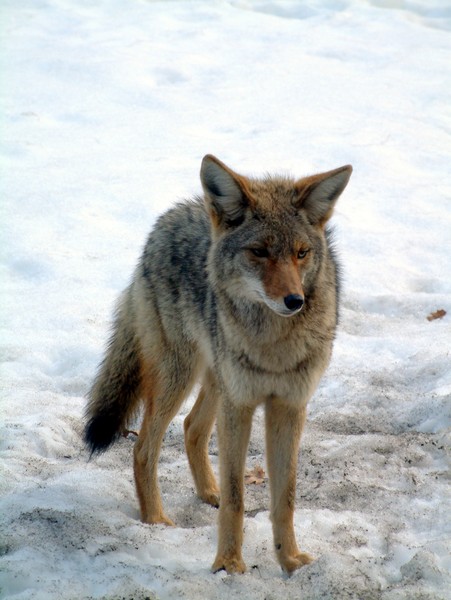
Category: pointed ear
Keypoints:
(317, 194)
(226, 193)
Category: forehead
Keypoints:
(284, 230)
(273, 194)
(280, 223)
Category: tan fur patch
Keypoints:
(282, 278)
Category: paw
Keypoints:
(211, 497)
(161, 518)
(291, 563)
(232, 564)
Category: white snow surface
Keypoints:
(107, 109)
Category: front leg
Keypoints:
(234, 427)
(284, 424)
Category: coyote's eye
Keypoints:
(303, 253)
(260, 252)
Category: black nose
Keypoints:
(294, 301)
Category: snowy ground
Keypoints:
(107, 109)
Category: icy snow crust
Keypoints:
(107, 109)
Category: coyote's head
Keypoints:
(268, 235)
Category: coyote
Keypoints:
(237, 290)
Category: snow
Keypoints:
(107, 109)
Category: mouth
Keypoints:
(280, 309)
(288, 313)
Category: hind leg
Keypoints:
(198, 426)
(164, 395)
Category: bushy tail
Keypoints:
(115, 393)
